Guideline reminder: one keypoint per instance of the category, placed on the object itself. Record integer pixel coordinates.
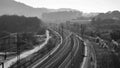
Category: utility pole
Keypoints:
(82, 29)
(5, 41)
(2, 63)
(18, 48)
(72, 60)
(4, 49)
(62, 29)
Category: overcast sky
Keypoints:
(82, 5)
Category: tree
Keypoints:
(14, 23)
(115, 35)
(83, 28)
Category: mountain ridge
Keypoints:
(12, 7)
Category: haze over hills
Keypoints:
(12, 7)
(60, 16)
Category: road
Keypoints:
(90, 60)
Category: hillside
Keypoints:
(16, 23)
(107, 21)
(12, 7)
(109, 15)
(60, 16)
